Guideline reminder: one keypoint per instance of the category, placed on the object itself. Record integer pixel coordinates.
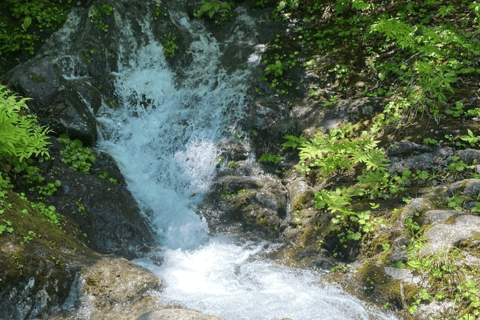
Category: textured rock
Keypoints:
(54, 100)
(469, 155)
(438, 216)
(444, 236)
(111, 219)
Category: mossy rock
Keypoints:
(383, 288)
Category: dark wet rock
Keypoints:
(177, 314)
(54, 100)
(410, 156)
(233, 150)
(111, 288)
(323, 263)
(443, 236)
(35, 278)
(111, 220)
(408, 148)
(258, 201)
(312, 117)
(53, 273)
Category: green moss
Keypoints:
(384, 288)
(37, 78)
(451, 220)
(303, 199)
(34, 244)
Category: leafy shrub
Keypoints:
(20, 135)
(266, 157)
(211, 8)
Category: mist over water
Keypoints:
(163, 135)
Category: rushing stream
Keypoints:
(163, 135)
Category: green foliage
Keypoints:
(20, 135)
(212, 8)
(22, 20)
(335, 151)
(50, 212)
(270, 158)
(75, 155)
(50, 188)
(104, 175)
(348, 223)
(455, 201)
(6, 226)
(470, 138)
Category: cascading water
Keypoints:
(163, 136)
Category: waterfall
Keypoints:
(163, 135)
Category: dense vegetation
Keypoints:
(421, 59)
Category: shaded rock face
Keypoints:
(54, 100)
(36, 284)
(110, 220)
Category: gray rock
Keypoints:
(403, 275)
(437, 159)
(469, 155)
(438, 216)
(417, 205)
(443, 236)
(432, 310)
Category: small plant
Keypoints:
(470, 138)
(266, 157)
(104, 175)
(6, 227)
(75, 155)
(455, 201)
(169, 44)
(227, 194)
(49, 189)
(96, 15)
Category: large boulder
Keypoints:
(53, 99)
(105, 211)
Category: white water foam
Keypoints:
(221, 278)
